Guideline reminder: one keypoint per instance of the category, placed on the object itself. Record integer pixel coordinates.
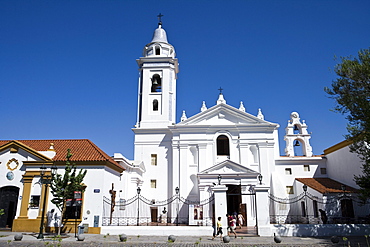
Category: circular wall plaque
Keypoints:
(10, 175)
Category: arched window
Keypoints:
(156, 83)
(155, 105)
(223, 145)
(157, 50)
(296, 130)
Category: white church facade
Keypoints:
(187, 172)
(222, 160)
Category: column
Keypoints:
(221, 204)
(262, 210)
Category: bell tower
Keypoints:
(296, 135)
(158, 69)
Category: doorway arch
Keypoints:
(8, 202)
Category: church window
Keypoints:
(323, 170)
(156, 84)
(35, 201)
(289, 190)
(155, 105)
(223, 145)
(288, 171)
(306, 168)
(153, 183)
(157, 50)
(154, 159)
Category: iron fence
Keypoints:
(141, 211)
(306, 208)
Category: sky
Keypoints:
(68, 68)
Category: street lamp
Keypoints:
(138, 200)
(260, 178)
(219, 179)
(305, 201)
(178, 200)
(45, 181)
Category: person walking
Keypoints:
(232, 225)
(219, 229)
(240, 220)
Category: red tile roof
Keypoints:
(326, 185)
(82, 149)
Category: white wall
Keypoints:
(342, 165)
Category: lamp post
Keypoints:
(46, 182)
(305, 201)
(260, 178)
(219, 179)
(178, 200)
(138, 200)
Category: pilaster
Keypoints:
(263, 213)
(220, 203)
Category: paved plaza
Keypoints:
(29, 239)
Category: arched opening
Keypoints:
(155, 105)
(296, 130)
(8, 202)
(156, 84)
(223, 145)
(157, 50)
(298, 147)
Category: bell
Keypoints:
(296, 144)
(295, 128)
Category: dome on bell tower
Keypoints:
(159, 35)
(159, 46)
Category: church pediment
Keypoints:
(15, 146)
(229, 167)
(223, 114)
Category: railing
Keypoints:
(149, 221)
(294, 219)
(310, 219)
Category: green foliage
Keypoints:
(351, 92)
(64, 186)
(2, 212)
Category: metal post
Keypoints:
(305, 201)
(45, 182)
(138, 200)
(178, 201)
(75, 203)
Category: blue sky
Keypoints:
(68, 69)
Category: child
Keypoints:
(219, 228)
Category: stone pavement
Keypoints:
(29, 239)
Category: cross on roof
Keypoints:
(220, 90)
(160, 18)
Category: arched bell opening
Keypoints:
(156, 84)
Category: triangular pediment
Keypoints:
(229, 167)
(223, 114)
(14, 146)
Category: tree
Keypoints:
(351, 91)
(64, 186)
